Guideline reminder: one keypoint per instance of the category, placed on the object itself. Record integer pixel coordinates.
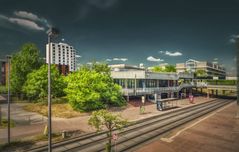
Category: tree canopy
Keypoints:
(23, 63)
(92, 88)
(36, 84)
(157, 69)
(167, 68)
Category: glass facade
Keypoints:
(142, 83)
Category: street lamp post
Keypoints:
(8, 99)
(52, 32)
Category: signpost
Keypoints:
(115, 137)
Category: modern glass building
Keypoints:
(138, 81)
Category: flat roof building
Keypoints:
(137, 81)
(211, 69)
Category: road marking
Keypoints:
(169, 140)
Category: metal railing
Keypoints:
(142, 91)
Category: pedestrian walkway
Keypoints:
(22, 117)
(3, 98)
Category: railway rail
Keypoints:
(137, 132)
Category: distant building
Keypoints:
(3, 74)
(211, 69)
(62, 55)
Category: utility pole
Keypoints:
(52, 32)
(8, 100)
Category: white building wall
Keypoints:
(62, 53)
(141, 74)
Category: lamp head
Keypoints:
(53, 32)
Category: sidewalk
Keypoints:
(78, 123)
(218, 133)
(131, 114)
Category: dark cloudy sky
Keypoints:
(127, 31)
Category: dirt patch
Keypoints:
(58, 110)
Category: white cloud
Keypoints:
(235, 59)
(153, 59)
(117, 59)
(27, 15)
(23, 22)
(233, 38)
(3, 17)
(108, 60)
(78, 56)
(31, 16)
(173, 53)
(169, 53)
(26, 23)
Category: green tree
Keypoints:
(170, 68)
(23, 63)
(157, 69)
(37, 81)
(104, 119)
(92, 88)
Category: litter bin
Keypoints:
(191, 99)
(159, 105)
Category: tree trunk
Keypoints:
(108, 145)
